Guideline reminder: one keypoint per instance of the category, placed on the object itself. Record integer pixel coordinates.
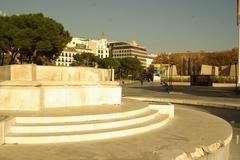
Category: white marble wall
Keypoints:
(37, 95)
(33, 72)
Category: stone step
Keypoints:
(83, 125)
(80, 118)
(145, 113)
(97, 130)
(31, 138)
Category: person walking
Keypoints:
(141, 81)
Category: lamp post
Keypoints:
(236, 75)
(170, 77)
(238, 25)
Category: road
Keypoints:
(209, 94)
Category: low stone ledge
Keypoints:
(20, 84)
(78, 83)
(56, 83)
(206, 151)
(34, 72)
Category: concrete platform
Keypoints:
(191, 134)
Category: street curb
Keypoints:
(189, 102)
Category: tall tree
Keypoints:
(31, 36)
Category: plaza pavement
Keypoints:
(164, 143)
(176, 138)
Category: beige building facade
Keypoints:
(128, 49)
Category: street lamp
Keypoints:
(235, 61)
(170, 77)
(169, 66)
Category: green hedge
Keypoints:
(224, 79)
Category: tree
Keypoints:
(190, 62)
(27, 38)
(129, 67)
(163, 58)
(109, 63)
(150, 73)
(85, 59)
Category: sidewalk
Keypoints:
(220, 95)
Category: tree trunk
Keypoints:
(34, 56)
(2, 59)
(29, 59)
(13, 56)
(21, 59)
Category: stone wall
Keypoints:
(40, 95)
(31, 87)
(206, 70)
(5, 73)
(165, 70)
(233, 70)
(15, 95)
(74, 96)
(209, 70)
(33, 72)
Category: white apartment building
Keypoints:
(66, 57)
(80, 43)
(99, 47)
(83, 45)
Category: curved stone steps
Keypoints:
(82, 125)
(80, 118)
(45, 123)
(31, 138)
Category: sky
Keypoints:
(158, 25)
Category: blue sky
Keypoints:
(159, 25)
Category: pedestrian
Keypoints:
(141, 81)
